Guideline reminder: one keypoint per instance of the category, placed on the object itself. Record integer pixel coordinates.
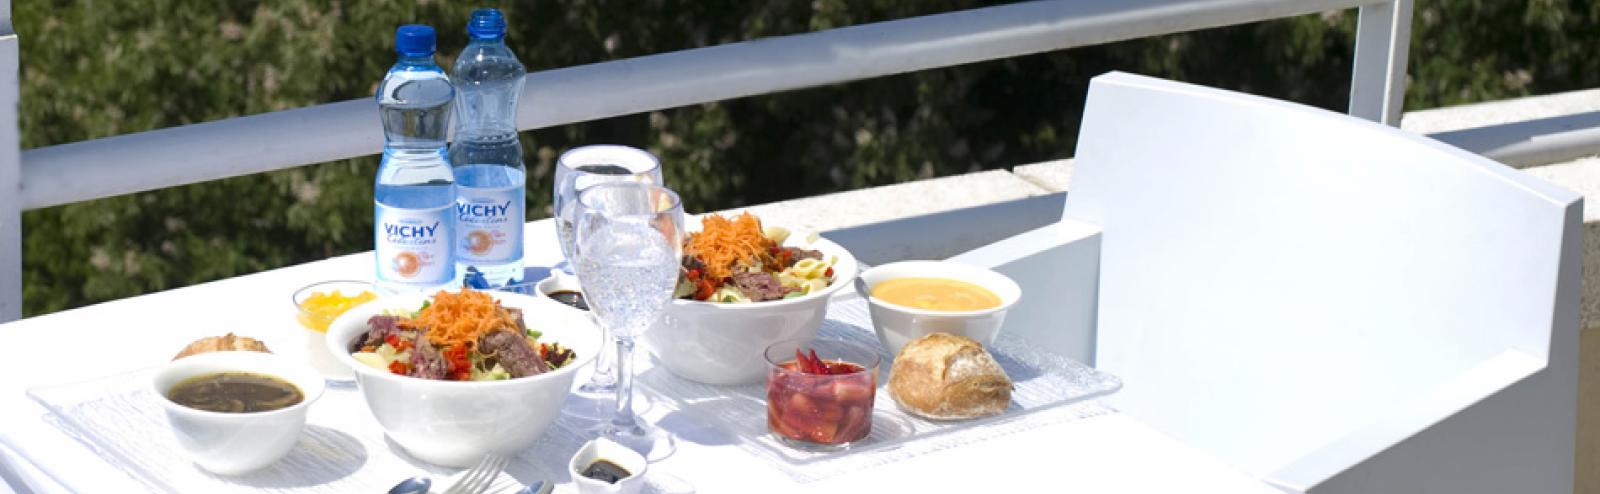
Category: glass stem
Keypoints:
(624, 419)
(604, 371)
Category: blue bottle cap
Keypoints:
(414, 40)
(487, 24)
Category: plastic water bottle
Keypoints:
(490, 176)
(415, 191)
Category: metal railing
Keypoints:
(188, 154)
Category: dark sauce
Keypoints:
(604, 169)
(235, 392)
(606, 471)
(569, 297)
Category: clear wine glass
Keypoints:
(583, 167)
(629, 240)
(576, 170)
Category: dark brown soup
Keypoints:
(606, 471)
(235, 392)
(569, 297)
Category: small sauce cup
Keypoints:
(821, 412)
(557, 285)
(606, 449)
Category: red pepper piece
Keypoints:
(816, 363)
(456, 356)
(398, 367)
(804, 363)
(703, 289)
(828, 273)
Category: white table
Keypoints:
(1106, 453)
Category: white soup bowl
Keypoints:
(237, 443)
(897, 325)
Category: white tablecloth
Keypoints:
(1104, 453)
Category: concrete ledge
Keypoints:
(1051, 175)
(1501, 112)
(891, 202)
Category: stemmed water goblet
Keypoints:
(576, 170)
(629, 240)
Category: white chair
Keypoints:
(1327, 303)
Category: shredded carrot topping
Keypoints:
(723, 244)
(460, 318)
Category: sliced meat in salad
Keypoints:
(464, 336)
(737, 261)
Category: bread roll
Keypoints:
(224, 343)
(947, 377)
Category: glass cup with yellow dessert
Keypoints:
(316, 306)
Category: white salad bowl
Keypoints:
(723, 343)
(897, 325)
(237, 443)
(454, 423)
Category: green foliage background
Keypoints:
(95, 69)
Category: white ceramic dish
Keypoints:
(897, 325)
(722, 344)
(237, 443)
(456, 423)
(616, 453)
(557, 282)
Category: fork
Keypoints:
(478, 479)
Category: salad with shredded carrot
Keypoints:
(737, 260)
(461, 336)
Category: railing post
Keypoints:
(10, 174)
(1383, 39)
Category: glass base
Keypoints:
(815, 447)
(654, 444)
(590, 408)
(565, 268)
(609, 389)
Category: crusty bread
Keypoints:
(947, 377)
(223, 343)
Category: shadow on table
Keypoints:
(322, 456)
(691, 427)
(666, 483)
(545, 460)
(705, 414)
(1016, 369)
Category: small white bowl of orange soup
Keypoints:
(909, 299)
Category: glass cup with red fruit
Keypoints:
(820, 392)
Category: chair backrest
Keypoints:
(1276, 278)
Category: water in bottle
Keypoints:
(487, 156)
(415, 193)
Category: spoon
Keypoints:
(537, 487)
(413, 485)
(862, 289)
